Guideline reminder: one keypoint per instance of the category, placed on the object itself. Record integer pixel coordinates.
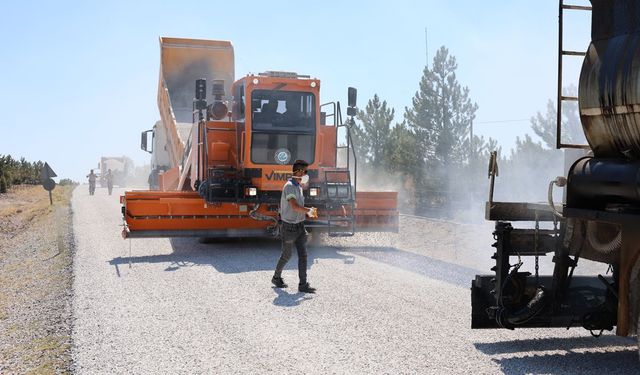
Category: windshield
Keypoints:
(283, 124)
(273, 148)
(283, 111)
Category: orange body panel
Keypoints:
(327, 144)
(222, 148)
(377, 211)
(168, 180)
(155, 214)
(181, 61)
(185, 213)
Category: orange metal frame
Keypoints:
(180, 211)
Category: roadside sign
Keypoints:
(47, 181)
(48, 184)
(47, 172)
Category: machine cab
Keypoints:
(278, 122)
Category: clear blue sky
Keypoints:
(79, 79)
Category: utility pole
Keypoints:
(426, 42)
(472, 151)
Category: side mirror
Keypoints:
(353, 96)
(144, 144)
(323, 118)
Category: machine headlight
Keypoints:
(343, 192)
(314, 192)
(251, 191)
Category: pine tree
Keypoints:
(526, 175)
(533, 164)
(401, 155)
(372, 137)
(545, 126)
(440, 117)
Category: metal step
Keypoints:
(342, 231)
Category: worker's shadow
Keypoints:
(286, 299)
(230, 255)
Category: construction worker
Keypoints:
(109, 178)
(292, 213)
(92, 182)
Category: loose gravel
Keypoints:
(386, 303)
(36, 252)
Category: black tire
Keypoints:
(314, 238)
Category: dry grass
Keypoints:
(36, 252)
(22, 204)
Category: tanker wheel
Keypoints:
(207, 240)
(634, 300)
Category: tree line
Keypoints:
(17, 172)
(436, 161)
(21, 172)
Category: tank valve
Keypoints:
(560, 181)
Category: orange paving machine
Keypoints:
(220, 160)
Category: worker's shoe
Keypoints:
(306, 288)
(278, 282)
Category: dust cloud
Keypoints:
(374, 180)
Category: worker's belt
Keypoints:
(291, 226)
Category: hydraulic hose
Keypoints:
(506, 318)
(255, 215)
(560, 182)
(533, 307)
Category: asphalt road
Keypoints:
(392, 303)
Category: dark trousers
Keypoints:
(293, 234)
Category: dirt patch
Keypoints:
(36, 253)
(20, 206)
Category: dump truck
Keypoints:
(599, 218)
(121, 168)
(224, 148)
(153, 142)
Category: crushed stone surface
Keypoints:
(387, 303)
(36, 253)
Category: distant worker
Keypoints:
(92, 182)
(292, 213)
(109, 178)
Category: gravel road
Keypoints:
(36, 255)
(386, 303)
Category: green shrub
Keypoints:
(67, 181)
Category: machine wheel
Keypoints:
(208, 240)
(634, 301)
(314, 238)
